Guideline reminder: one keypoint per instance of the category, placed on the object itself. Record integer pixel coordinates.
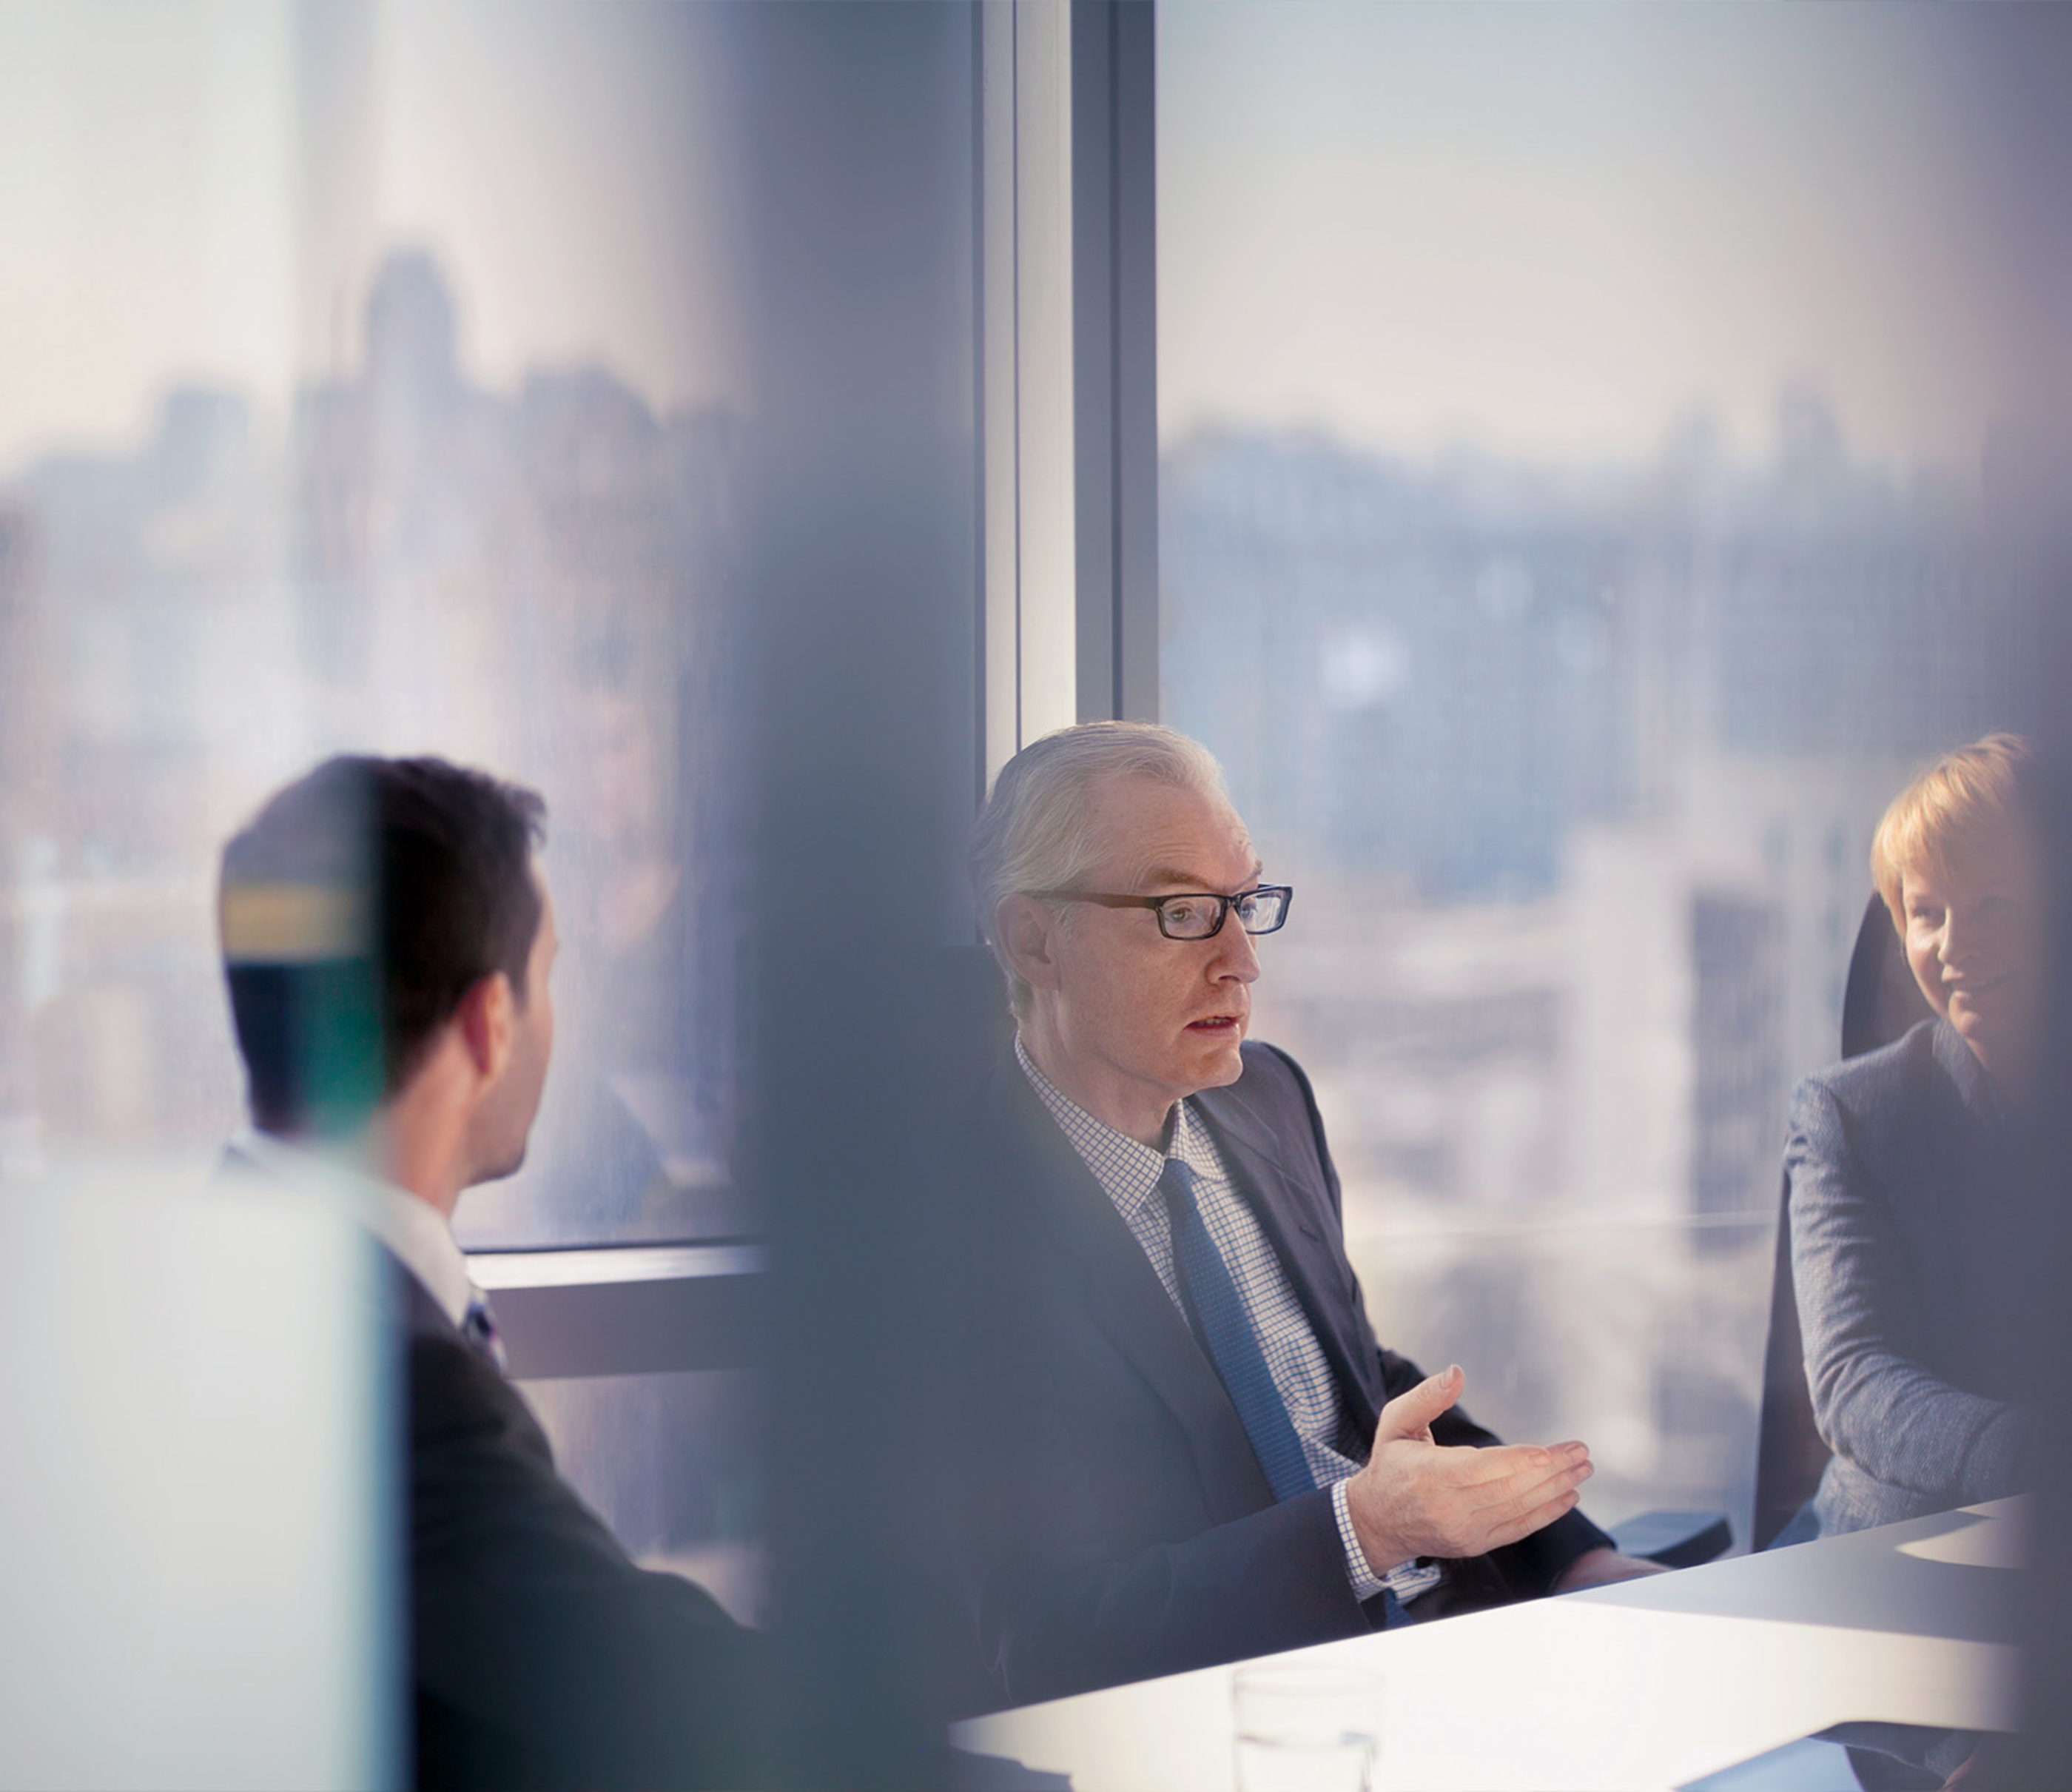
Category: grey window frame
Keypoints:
(1067, 127)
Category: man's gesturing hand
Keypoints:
(1416, 1498)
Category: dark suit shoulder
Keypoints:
(543, 1655)
(1273, 1106)
(1272, 1091)
(456, 1399)
(1892, 1078)
(1888, 1103)
(1272, 1073)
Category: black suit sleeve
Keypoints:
(542, 1656)
(1058, 1610)
(1525, 1569)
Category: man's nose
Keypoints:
(1236, 956)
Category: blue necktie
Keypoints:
(1225, 1330)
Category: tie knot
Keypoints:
(480, 1329)
(1176, 1181)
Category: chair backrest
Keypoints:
(1879, 1003)
(1881, 999)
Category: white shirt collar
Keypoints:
(415, 1232)
(1127, 1169)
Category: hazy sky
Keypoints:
(1553, 228)
(145, 203)
(1546, 228)
(199, 190)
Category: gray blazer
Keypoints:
(1907, 1252)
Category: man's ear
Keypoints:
(486, 1018)
(1027, 931)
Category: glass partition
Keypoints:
(1572, 422)
(365, 386)
(365, 389)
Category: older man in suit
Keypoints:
(1206, 1454)
(388, 943)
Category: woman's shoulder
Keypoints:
(1884, 1084)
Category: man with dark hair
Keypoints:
(387, 941)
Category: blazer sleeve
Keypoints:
(1524, 1569)
(1874, 1403)
(542, 1656)
(1058, 1612)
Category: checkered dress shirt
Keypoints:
(1129, 1174)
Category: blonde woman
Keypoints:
(1908, 1239)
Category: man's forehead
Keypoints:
(1151, 832)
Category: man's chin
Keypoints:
(1222, 1063)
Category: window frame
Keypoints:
(1067, 573)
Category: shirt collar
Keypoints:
(1127, 1169)
(414, 1232)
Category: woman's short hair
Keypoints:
(1036, 830)
(1970, 791)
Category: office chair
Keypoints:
(1879, 1003)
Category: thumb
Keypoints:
(1412, 1412)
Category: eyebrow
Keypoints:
(1193, 880)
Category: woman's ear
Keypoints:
(1027, 931)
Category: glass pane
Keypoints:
(669, 1462)
(1570, 522)
(364, 388)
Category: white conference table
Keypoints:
(1650, 1684)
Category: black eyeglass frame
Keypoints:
(1157, 905)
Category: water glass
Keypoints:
(1306, 1729)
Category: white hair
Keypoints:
(1036, 831)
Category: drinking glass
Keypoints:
(1306, 1729)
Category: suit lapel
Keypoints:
(1125, 1299)
(1964, 1196)
(1294, 1213)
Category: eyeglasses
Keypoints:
(1198, 914)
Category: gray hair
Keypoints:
(1036, 831)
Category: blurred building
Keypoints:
(528, 579)
(1576, 775)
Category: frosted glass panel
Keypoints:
(196, 1524)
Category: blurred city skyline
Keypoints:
(1550, 232)
(217, 181)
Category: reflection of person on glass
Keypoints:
(1908, 1248)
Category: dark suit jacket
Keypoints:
(541, 1655)
(1126, 1529)
(1917, 1272)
